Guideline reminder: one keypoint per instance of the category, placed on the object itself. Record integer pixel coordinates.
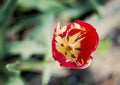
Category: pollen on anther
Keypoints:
(77, 38)
(78, 49)
(62, 45)
(73, 56)
(65, 53)
(67, 37)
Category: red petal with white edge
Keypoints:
(64, 51)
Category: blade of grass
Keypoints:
(45, 29)
(22, 23)
(5, 13)
(28, 48)
(26, 65)
(45, 23)
(96, 6)
(47, 33)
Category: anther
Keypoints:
(65, 53)
(67, 37)
(77, 39)
(78, 49)
(62, 44)
(73, 56)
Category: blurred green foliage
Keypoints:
(16, 21)
(104, 45)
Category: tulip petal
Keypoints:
(73, 44)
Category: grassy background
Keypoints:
(25, 39)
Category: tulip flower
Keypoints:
(73, 44)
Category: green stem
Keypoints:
(28, 65)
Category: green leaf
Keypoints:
(47, 72)
(12, 67)
(96, 5)
(42, 5)
(22, 23)
(6, 11)
(15, 80)
(27, 65)
(25, 48)
(75, 12)
(45, 29)
(46, 25)
(104, 45)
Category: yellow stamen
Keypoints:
(82, 61)
(69, 46)
(77, 63)
(83, 28)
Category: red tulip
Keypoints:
(73, 44)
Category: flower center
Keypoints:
(69, 45)
(68, 48)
